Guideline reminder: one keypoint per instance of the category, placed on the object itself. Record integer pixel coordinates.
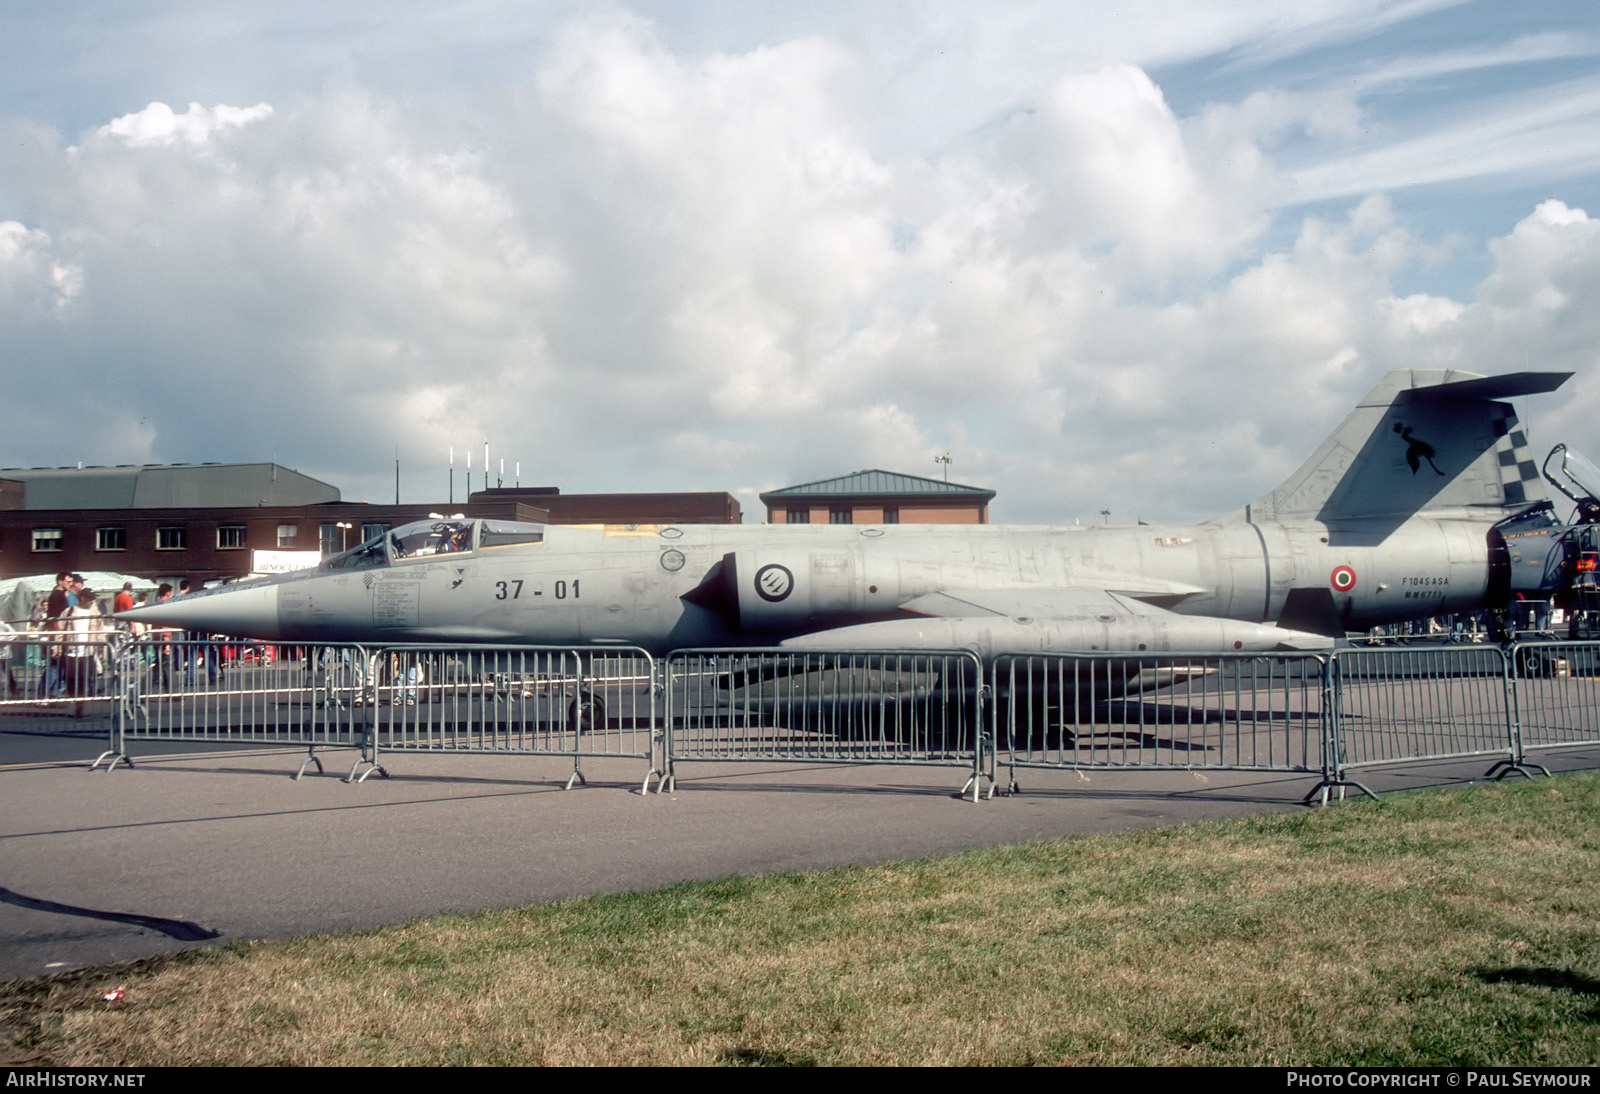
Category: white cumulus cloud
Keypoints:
(159, 124)
(636, 265)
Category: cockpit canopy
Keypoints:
(429, 538)
(1577, 478)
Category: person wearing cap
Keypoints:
(57, 602)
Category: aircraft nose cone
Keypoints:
(246, 611)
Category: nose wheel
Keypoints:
(586, 713)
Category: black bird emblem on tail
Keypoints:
(1417, 450)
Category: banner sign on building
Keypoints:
(281, 562)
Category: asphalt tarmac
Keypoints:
(205, 845)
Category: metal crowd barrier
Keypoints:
(817, 706)
(1333, 714)
(51, 674)
(1418, 704)
(220, 690)
(1556, 689)
(525, 700)
(1238, 712)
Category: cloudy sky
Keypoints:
(1128, 256)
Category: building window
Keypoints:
(172, 539)
(373, 531)
(840, 516)
(891, 516)
(798, 516)
(288, 534)
(328, 539)
(47, 539)
(230, 537)
(110, 539)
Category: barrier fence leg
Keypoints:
(668, 781)
(311, 758)
(651, 769)
(123, 681)
(1337, 781)
(982, 745)
(581, 716)
(369, 736)
(369, 757)
(114, 754)
(1517, 763)
(974, 781)
(1333, 776)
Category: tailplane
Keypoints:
(1422, 439)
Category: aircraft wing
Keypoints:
(1071, 602)
(1072, 619)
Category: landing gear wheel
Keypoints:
(586, 713)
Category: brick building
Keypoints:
(206, 522)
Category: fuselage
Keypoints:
(1425, 500)
(706, 585)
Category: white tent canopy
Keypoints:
(19, 595)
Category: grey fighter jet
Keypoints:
(1405, 512)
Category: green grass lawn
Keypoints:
(1435, 928)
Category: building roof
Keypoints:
(875, 483)
(683, 507)
(167, 486)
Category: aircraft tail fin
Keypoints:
(1421, 439)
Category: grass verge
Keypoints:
(1447, 928)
